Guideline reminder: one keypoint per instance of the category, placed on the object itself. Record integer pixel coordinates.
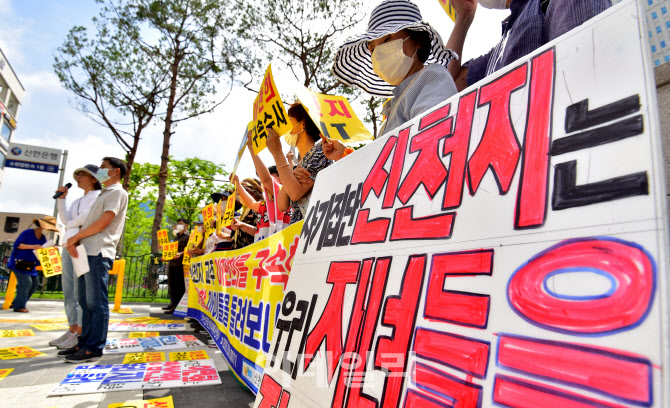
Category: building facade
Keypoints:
(11, 94)
(658, 28)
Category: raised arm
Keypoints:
(261, 169)
(245, 197)
(290, 183)
(465, 13)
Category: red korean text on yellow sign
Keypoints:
(269, 111)
(230, 211)
(208, 216)
(162, 237)
(193, 242)
(50, 260)
(170, 250)
(334, 116)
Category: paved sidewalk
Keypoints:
(33, 378)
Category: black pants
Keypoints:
(176, 284)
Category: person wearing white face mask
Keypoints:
(531, 24)
(401, 56)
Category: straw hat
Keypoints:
(353, 61)
(48, 223)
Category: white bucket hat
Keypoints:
(353, 61)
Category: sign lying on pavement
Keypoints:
(160, 343)
(129, 327)
(165, 402)
(16, 333)
(88, 379)
(12, 353)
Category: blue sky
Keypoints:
(30, 32)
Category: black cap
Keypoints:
(216, 197)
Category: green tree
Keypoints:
(189, 41)
(192, 180)
(114, 85)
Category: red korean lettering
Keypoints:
(499, 147)
(376, 180)
(461, 394)
(269, 89)
(531, 201)
(334, 111)
(260, 272)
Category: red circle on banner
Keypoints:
(627, 263)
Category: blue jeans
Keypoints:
(94, 304)
(70, 291)
(26, 285)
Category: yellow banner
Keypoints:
(236, 295)
(50, 260)
(162, 237)
(334, 115)
(170, 250)
(230, 211)
(446, 5)
(269, 111)
(4, 372)
(150, 357)
(16, 333)
(12, 353)
(193, 241)
(189, 355)
(139, 335)
(165, 402)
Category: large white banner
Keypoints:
(87, 379)
(508, 248)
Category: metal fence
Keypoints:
(145, 277)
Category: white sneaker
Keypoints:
(70, 342)
(61, 339)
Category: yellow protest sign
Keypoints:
(50, 326)
(254, 276)
(230, 211)
(4, 372)
(162, 237)
(219, 215)
(193, 241)
(269, 111)
(125, 310)
(170, 250)
(151, 357)
(138, 335)
(208, 216)
(50, 260)
(189, 355)
(16, 333)
(12, 353)
(334, 116)
(446, 5)
(164, 402)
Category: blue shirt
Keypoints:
(26, 237)
(528, 28)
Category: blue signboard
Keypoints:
(25, 165)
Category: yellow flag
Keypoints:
(446, 5)
(269, 111)
(334, 116)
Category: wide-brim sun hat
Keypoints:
(90, 169)
(47, 223)
(353, 61)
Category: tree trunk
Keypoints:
(165, 155)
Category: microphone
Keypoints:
(60, 193)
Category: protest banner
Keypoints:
(165, 402)
(162, 236)
(12, 353)
(50, 326)
(333, 115)
(146, 327)
(189, 355)
(208, 216)
(4, 372)
(506, 248)
(269, 111)
(150, 357)
(446, 5)
(229, 214)
(194, 239)
(170, 250)
(236, 296)
(50, 260)
(16, 333)
(86, 379)
(160, 343)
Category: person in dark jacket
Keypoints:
(23, 261)
(176, 283)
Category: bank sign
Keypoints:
(36, 158)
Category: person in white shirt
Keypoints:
(73, 218)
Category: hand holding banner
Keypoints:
(170, 250)
(269, 111)
(230, 211)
